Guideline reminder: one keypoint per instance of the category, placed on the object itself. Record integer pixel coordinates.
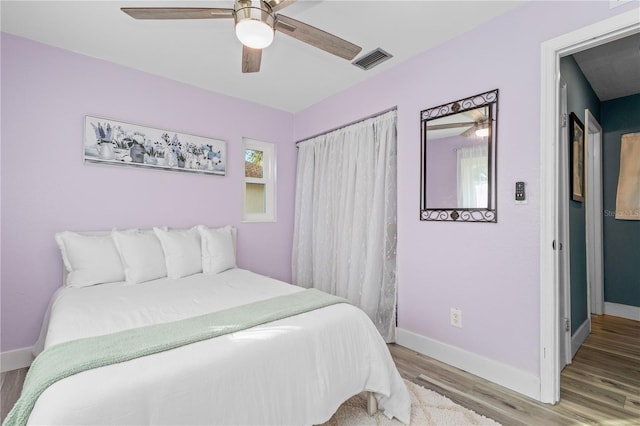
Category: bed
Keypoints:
(295, 370)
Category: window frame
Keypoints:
(268, 180)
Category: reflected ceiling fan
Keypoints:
(476, 123)
(256, 22)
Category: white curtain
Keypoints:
(473, 189)
(344, 239)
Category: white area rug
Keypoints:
(427, 408)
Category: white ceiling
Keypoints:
(612, 69)
(206, 53)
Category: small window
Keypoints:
(259, 181)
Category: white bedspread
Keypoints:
(293, 371)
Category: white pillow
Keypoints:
(217, 249)
(141, 254)
(89, 259)
(181, 251)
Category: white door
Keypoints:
(593, 204)
(562, 231)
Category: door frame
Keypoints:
(594, 213)
(602, 32)
(562, 196)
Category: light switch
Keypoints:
(521, 196)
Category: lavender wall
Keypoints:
(498, 287)
(46, 187)
(442, 170)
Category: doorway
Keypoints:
(595, 210)
(551, 238)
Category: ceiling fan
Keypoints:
(256, 22)
(476, 123)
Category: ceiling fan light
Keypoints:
(483, 132)
(253, 33)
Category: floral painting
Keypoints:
(115, 142)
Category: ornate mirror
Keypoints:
(458, 160)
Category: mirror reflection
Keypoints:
(458, 157)
(458, 160)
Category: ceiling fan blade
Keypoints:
(251, 59)
(450, 125)
(178, 12)
(316, 37)
(473, 131)
(478, 114)
(277, 5)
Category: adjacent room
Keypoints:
(320, 212)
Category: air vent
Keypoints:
(372, 59)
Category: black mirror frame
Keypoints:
(453, 214)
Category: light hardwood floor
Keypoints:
(10, 388)
(600, 387)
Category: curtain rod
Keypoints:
(395, 108)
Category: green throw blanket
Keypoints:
(68, 358)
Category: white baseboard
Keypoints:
(624, 311)
(578, 338)
(16, 359)
(503, 374)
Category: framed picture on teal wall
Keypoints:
(576, 148)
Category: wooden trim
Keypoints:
(15, 359)
(562, 229)
(269, 180)
(602, 32)
(505, 375)
(594, 211)
(580, 336)
(549, 297)
(623, 311)
(600, 387)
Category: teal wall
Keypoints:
(580, 96)
(621, 237)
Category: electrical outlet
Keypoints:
(456, 317)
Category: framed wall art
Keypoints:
(124, 144)
(576, 141)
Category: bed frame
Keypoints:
(372, 403)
